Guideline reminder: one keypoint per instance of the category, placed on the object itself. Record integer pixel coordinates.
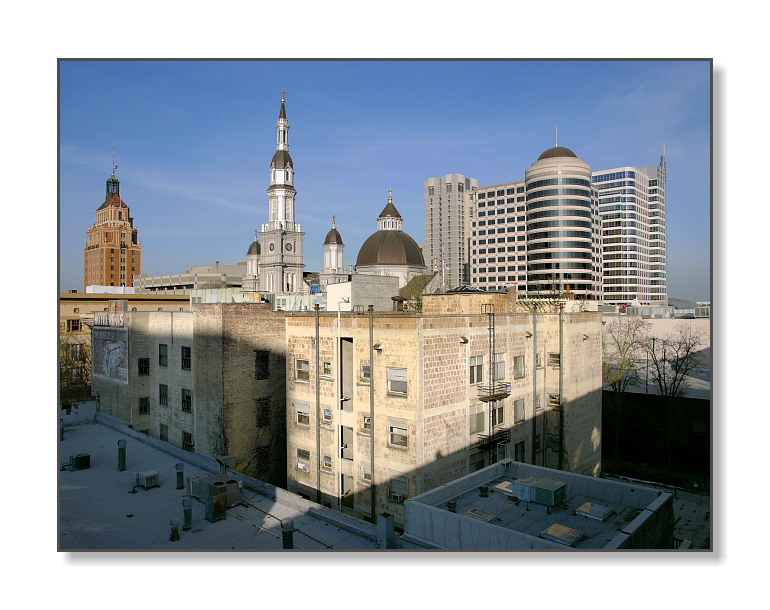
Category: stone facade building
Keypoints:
(438, 412)
(112, 254)
(280, 257)
(211, 380)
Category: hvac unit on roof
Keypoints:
(147, 479)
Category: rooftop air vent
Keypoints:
(594, 511)
(147, 479)
(562, 534)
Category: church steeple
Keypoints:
(282, 127)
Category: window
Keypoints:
(498, 364)
(303, 460)
(398, 435)
(399, 489)
(261, 364)
(518, 452)
(144, 405)
(553, 441)
(498, 415)
(186, 400)
(554, 360)
(518, 367)
(326, 369)
(262, 412)
(163, 394)
(476, 419)
(476, 461)
(477, 369)
(366, 473)
(553, 401)
(518, 410)
(538, 406)
(537, 443)
(326, 415)
(187, 441)
(302, 369)
(539, 360)
(163, 432)
(397, 381)
(73, 326)
(303, 415)
(186, 358)
(366, 423)
(162, 354)
(326, 463)
(144, 366)
(366, 373)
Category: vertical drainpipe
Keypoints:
(372, 488)
(561, 387)
(534, 385)
(317, 408)
(337, 438)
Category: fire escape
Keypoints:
(493, 392)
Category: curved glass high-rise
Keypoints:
(563, 227)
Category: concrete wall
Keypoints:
(428, 521)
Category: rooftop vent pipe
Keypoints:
(287, 533)
(180, 475)
(121, 455)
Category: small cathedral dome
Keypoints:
(254, 248)
(281, 160)
(333, 236)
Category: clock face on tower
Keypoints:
(272, 247)
(288, 247)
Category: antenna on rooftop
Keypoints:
(557, 135)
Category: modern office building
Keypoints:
(112, 254)
(447, 213)
(632, 205)
(280, 259)
(600, 234)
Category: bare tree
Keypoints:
(673, 357)
(624, 341)
(623, 344)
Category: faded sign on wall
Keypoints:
(109, 354)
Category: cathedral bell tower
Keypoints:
(280, 259)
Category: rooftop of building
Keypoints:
(595, 513)
(97, 510)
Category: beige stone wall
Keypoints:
(436, 351)
(238, 414)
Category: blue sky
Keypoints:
(193, 143)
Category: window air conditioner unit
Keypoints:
(147, 479)
(398, 498)
(302, 467)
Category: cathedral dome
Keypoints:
(390, 248)
(557, 151)
(254, 248)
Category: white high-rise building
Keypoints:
(280, 259)
(447, 220)
(632, 205)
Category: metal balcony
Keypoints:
(496, 391)
(488, 440)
